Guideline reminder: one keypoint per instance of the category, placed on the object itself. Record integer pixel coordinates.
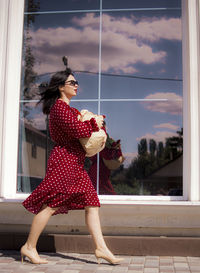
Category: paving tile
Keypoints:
(184, 265)
(166, 264)
(166, 267)
(39, 268)
(193, 258)
(166, 260)
(167, 271)
(152, 257)
(195, 269)
(135, 271)
(151, 270)
(4, 260)
(179, 257)
(27, 267)
(57, 268)
(70, 271)
(182, 268)
(138, 260)
(126, 260)
(74, 266)
(86, 263)
(86, 271)
(106, 268)
(37, 271)
(89, 268)
(182, 271)
(119, 270)
(197, 262)
(151, 263)
(136, 266)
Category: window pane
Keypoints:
(118, 4)
(138, 88)
(141, 54)
(80, 105)
(60, 5)
(49, 37)
(151, 141)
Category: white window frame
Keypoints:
(11, 55)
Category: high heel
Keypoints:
(22, 258)
(25, 252)
(101, 255)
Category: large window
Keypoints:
(127, 56)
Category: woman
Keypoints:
(66, 184)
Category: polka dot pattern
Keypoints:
(66, 184)
(105, 186)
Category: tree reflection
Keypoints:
(140, 177)
(29, 59)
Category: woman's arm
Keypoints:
(111, 153)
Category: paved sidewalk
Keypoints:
(86, 263)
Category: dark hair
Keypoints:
(50, 93)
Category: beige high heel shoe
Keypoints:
(31, 255)
(101, 255)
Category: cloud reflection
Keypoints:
(125, 42)
(172, 103)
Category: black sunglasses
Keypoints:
(72, 82)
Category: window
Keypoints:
(127, 56)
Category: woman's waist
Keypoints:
(68, 143)
(71, 148)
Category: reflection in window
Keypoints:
(32, 147)
(34, 150)
(127, 57)
(60, 5)
(151, 141)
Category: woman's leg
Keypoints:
(38, 224)
(93, 223)
(94, 227)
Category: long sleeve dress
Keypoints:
(66, 184)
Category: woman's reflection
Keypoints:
(110, 158)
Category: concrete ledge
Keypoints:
(124, 245)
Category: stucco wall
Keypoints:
(182, 219)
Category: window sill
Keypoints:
(106, 201)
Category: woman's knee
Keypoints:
(91, 209)
(49, 209)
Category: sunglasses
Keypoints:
(72, 82)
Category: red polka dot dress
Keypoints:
(66, 184)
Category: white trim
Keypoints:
(194, 100)
(116, 202)
(198, 60)
(119, 198)
(4, 8)
(11, 102)
(186, 99)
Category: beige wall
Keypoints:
(182, 219)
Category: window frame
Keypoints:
(11, 51)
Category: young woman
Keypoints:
(66, 185)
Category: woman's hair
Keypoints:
(50, 93)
